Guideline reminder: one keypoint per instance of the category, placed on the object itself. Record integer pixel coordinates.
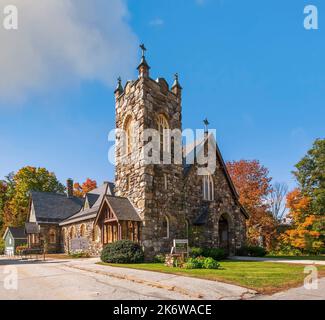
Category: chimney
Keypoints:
(69, 188)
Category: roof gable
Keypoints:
(197, 148)
(16, 232)
(54, 207)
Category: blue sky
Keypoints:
(249, 66)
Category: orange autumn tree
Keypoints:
(253, 185)
(303, 234)
(87, 186)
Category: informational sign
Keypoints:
(180, 246)
(79, 244)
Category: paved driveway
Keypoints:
(83, 279)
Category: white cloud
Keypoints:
(60, 42)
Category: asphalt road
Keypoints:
(53, 280)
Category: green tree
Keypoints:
(310, 175)
(19, 187)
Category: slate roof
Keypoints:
(54, 207)
(17, 232)
(94, 198)
(123, 209)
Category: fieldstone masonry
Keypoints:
(142, 102)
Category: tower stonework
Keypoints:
(154, 189)
(170, 198)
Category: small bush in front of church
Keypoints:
(122, 251)
(194, 263)
(159, 258)
(201, 263)
(251, 251)
(210, 263)
(215, 253)
(196, 252)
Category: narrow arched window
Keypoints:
(52, 236)
(166, 227)
(162, 126)
(82, 230)
(128, 127)
(72, 232)
(208, 188)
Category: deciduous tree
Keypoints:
(306, 231)
(19, 187)
(253, 184)
(87, 186)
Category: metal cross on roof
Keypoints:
(144, 49)
(206, 124)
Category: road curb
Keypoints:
(193, 295)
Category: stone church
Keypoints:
(149, 203)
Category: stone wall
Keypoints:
(224, 204)
(144, 100)
(94, 238)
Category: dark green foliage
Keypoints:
(122, 251)
(215, 253)
(251, 251)
(201, 263)
(159, 258)
(196, 252)
(2, 247)
(210, 263)
(310, 175)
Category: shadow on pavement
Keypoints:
(18, 261)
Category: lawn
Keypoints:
(264, 277)
(319, 258)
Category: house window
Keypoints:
(162, 126)
(166, 227)
(10, 241)
(208, 188)
(52, 236)
(128, 127)
(82, 230)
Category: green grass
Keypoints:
(318, 258)
(264, 277)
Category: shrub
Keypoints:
(194, 263)
(210, 263)
(196, 252)
(251, 251)
(159, 258)
(2, 246)
(122, 251)
(19, 249)
(215, 253)
(201, 263)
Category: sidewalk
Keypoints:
(190, 287)
(279, 260)
(298, 293)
